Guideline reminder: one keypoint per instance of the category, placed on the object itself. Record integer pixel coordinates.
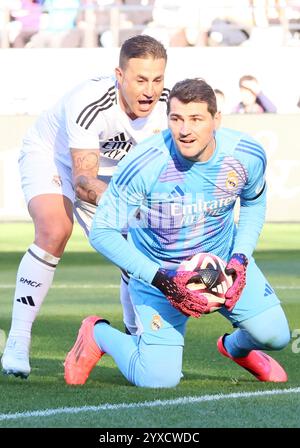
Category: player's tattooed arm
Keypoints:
(89, 189)
(85, 165)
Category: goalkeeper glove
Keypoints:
(236, 267)
(173, 285)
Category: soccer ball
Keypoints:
(212, 281)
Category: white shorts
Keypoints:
(41, 174)
(84, 211)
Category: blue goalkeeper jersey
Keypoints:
(174, 208)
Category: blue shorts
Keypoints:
(160, 323)
(257, 296)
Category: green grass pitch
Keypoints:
(224, 395)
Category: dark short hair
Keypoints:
(194, 90)
(141, 46)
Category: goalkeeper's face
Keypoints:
(140, 84)
(192, 127)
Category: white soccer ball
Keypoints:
(212, 281)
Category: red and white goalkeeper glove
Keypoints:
(173, 285)
(236, 267)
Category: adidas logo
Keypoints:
(117, 138)
(268, 290)
(177, 192)
(26, 300)
(116, 147)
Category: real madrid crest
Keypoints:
(232, 180)
(57, 180)
(156, 323)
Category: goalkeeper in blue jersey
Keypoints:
(176, 194)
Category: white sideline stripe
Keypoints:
(112, 286)
(147, 404)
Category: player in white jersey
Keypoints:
(66, 162)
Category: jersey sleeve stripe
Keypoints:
(110, 95)
(259, 149)
(106, 94)
(146, 162)
(135, 168)
(254, 148)
(109, 103)
(100, 109)
(250, 143)
(97, 106)
(136, 160)
(263, 159)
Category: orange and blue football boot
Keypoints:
(84, 354)
(261, 365)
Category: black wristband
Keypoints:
(159, 278)
(164, 282)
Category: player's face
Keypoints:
(140, 85)
(192, 127)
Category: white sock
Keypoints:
(34, 278)
(128, 309)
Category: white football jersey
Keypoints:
(88, 117)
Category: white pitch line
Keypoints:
(112, 286)
(147, 404)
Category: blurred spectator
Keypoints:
(137, 17)
(191, 23)
(165, 21)
(176, 23)
(118, 20)
(227, 33)
(253, 100)
(226, 23)
(4, 23)
(220, 96)
(25, 21)
(142, 15)
(58, 26)
(103, 25)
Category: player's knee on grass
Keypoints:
(269, 329)
(158, 378)
(159, 366)
(276, 340)
(270, 334)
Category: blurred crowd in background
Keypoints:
(252, 24)
(107, 23)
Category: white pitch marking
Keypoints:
(147, 404)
